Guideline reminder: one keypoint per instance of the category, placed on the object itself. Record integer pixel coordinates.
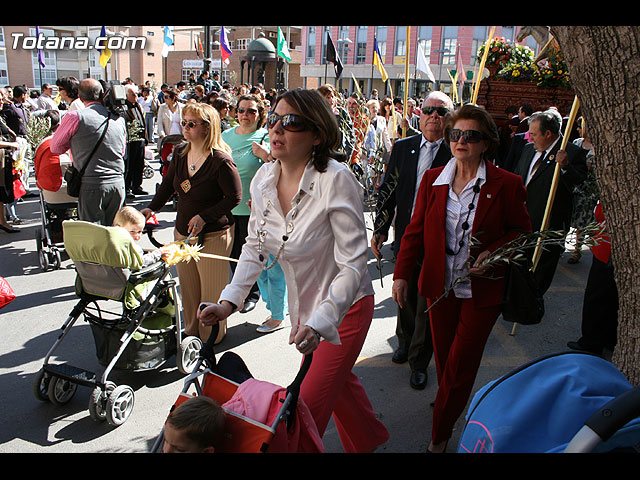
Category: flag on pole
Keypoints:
(460, 68)
(422, 64)
(198, 46)
(168, 41)
(225, 49)
(283, 49)
(377, 60)
(40, 54)
(105, 55)
(332, 56)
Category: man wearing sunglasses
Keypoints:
(410, 158)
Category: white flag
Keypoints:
(423, 66)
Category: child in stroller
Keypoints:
(134, 223)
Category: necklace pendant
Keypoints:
(192, 167)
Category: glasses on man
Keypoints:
(441, 111)
(191, 123)
(290, 121)
(469, 136)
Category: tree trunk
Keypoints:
(604, 65)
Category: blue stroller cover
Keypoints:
(540, 406)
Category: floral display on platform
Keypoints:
(515, 63)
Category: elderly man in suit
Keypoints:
(410, 158)
(537, 166)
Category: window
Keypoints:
(311, 46)
(343, 44)
(361, 45)
(381, 37)
(242, 43)
(449, 43)
(401, 41)
(48, 73)
(424, 40)
(479, 39)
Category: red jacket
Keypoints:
(501, 215)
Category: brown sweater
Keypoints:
(213, 191)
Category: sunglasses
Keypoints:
(290, 122)
(469, 136)
(251, 111)
(191, 124)
(442, 111)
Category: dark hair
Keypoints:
(486, 126)
(316, 111)
(201, 419)
(262, 112)
(548, 121)
(527, 109)
(54, 119)
(69, 85)
(172, 93)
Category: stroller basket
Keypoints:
(151, 345)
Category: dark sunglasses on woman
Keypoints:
(469, 136)
(290, 121)
(191, 124)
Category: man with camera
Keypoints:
(97, 139)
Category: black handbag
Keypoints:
(521, 299)
(73, 176)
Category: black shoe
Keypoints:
(418, 379)
(130, 195)
(400, 356)
(248, 306)
(139, 191)
(9, 230)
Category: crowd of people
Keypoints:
(276, 182)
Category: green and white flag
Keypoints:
(283, 50)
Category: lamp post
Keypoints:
(342, 48)
(443, 50)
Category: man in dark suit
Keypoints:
(410, 158)
(537, 166)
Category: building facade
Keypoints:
(440, 46)
(63, 53)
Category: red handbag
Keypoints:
(6, 293)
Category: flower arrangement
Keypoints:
(516, 64)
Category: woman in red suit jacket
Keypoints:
(464, 211)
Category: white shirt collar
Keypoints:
(449, 172)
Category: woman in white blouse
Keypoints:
(307, 211)
(170, 115)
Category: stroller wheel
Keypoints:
(119, 405)
(61, 391)
(43, 257)
(188, 354)
(147, 171)
(98, 402)
(41, 386)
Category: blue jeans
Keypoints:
(273, 289)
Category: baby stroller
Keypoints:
(565, 402)
(55, 207)
(288, 427)
(142, 335)
(166, 145)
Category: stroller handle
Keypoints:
(604, 423)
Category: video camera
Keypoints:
(114, 98)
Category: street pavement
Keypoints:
(31, 323)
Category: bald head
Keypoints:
(89, 90)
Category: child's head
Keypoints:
(195, 426)
(131, 220)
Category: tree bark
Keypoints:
(604, 66)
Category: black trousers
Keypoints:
(239, 239)
(413, 328)
(600, 308)
(134, 165)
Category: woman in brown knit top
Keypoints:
(206, 179)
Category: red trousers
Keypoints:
(330, 387)
(460, 332)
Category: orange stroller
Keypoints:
(288, 428)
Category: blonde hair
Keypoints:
(211, 117)
(128, 216)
